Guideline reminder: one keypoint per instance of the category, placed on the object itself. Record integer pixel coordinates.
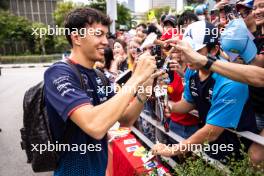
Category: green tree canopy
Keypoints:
(123, 14)
(14, 28)
(62, 9)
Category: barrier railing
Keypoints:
(215, 163)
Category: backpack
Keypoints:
(36, 130)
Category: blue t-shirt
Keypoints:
(63, 94)
(221, 102)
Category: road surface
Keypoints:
(13, 84)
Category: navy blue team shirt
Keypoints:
(63, 95)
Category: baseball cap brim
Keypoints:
(195, 46)
(247, 52)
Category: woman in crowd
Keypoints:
(120, 57)
(132, 53)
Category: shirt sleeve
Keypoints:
(63, 90)
(227, 104)
(187, 93)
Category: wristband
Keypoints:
(209, 62)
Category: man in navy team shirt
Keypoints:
(93, 111)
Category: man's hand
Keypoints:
(145, 67)
(193, 59)
(118, 58)
(148, 85)
(175, 66)
(221, 4)
(162, 149)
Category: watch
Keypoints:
(209, 62)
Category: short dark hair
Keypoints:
(143, 25)
(109, 57)
(81, 17)
(187, 16)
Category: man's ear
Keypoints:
(76, 39)
(214, 51)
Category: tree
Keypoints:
(99, 5)
(62, 9)
(123, 14)
(191, 2)
(14, 29)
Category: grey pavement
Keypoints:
(13, 84)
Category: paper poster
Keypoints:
(130, 141)
(132, 148)
(140, 152)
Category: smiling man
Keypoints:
(92, 111)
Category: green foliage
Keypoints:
(39, 40)
(123, 14)
(243, 167)
(197, 166)
(61, 44)
(29, 59)
(99, 5)
(195, 2)
(194, 166)
(14, 28)
(62, 9)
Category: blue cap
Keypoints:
(246, 3)
(236, 39)
(200, 9)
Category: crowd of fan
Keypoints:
(237, 99)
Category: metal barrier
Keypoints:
(246, 134)
(215, 163)
(176, 137)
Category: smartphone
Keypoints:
(231, 12)
(123, 77)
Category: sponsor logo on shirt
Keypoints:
(99, 81)
(63, 85)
